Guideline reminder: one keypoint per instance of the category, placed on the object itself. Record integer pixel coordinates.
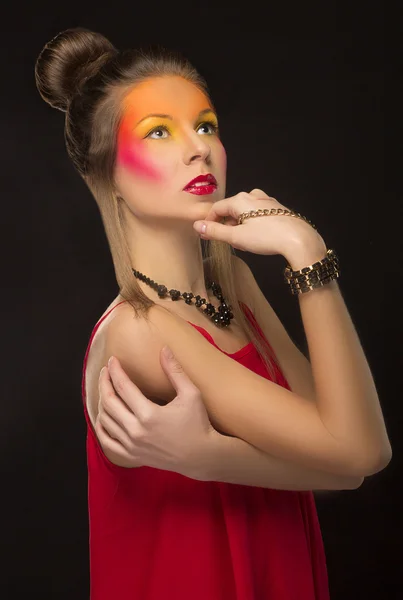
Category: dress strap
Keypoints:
(94, 332)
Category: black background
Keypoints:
(300, 102)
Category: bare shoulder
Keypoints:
(97, 359)
(137, 342)
(137, 345)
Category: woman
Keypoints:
(179, 508)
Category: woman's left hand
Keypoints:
(278, 235)
(173, 437)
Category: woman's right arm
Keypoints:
(233, 460)
(239, 402)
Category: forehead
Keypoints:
(173, 95)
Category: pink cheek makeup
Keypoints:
(132, 154)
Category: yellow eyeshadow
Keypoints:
(209, 116)
(149, 124)
(211, 120)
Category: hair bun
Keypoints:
(67, 61)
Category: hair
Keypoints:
(82, 74)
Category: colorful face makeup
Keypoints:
(153, 117)
(132, 153)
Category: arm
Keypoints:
(346, 400)
(346, 395)
(232, 460)
(273, 419)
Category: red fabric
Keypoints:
(157, 535)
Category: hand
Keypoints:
(260, 235)
(171, 437)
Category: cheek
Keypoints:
(134, 156)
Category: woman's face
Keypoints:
(167, 137)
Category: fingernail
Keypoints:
(200, 227)
(102, 370)
(110, 361)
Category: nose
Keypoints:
(196, 148)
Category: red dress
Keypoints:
(157, 535)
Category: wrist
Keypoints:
(305, 252)
(205, 465)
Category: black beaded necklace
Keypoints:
(220, 317)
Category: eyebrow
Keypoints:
(162, 116)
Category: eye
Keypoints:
(157, 133)
(211, 127)
(157, 130)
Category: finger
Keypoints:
(175, 373)
(111, 403)
(105, 387)
(103, 384)
(257, 193)
(113, 429)
(230, 207)
(222, 208)
(110, 443)
(128, 391)
(223, 233)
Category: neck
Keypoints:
(170, 257)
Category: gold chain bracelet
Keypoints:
(306, 279)
(266, 212)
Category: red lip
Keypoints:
(207, 179)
